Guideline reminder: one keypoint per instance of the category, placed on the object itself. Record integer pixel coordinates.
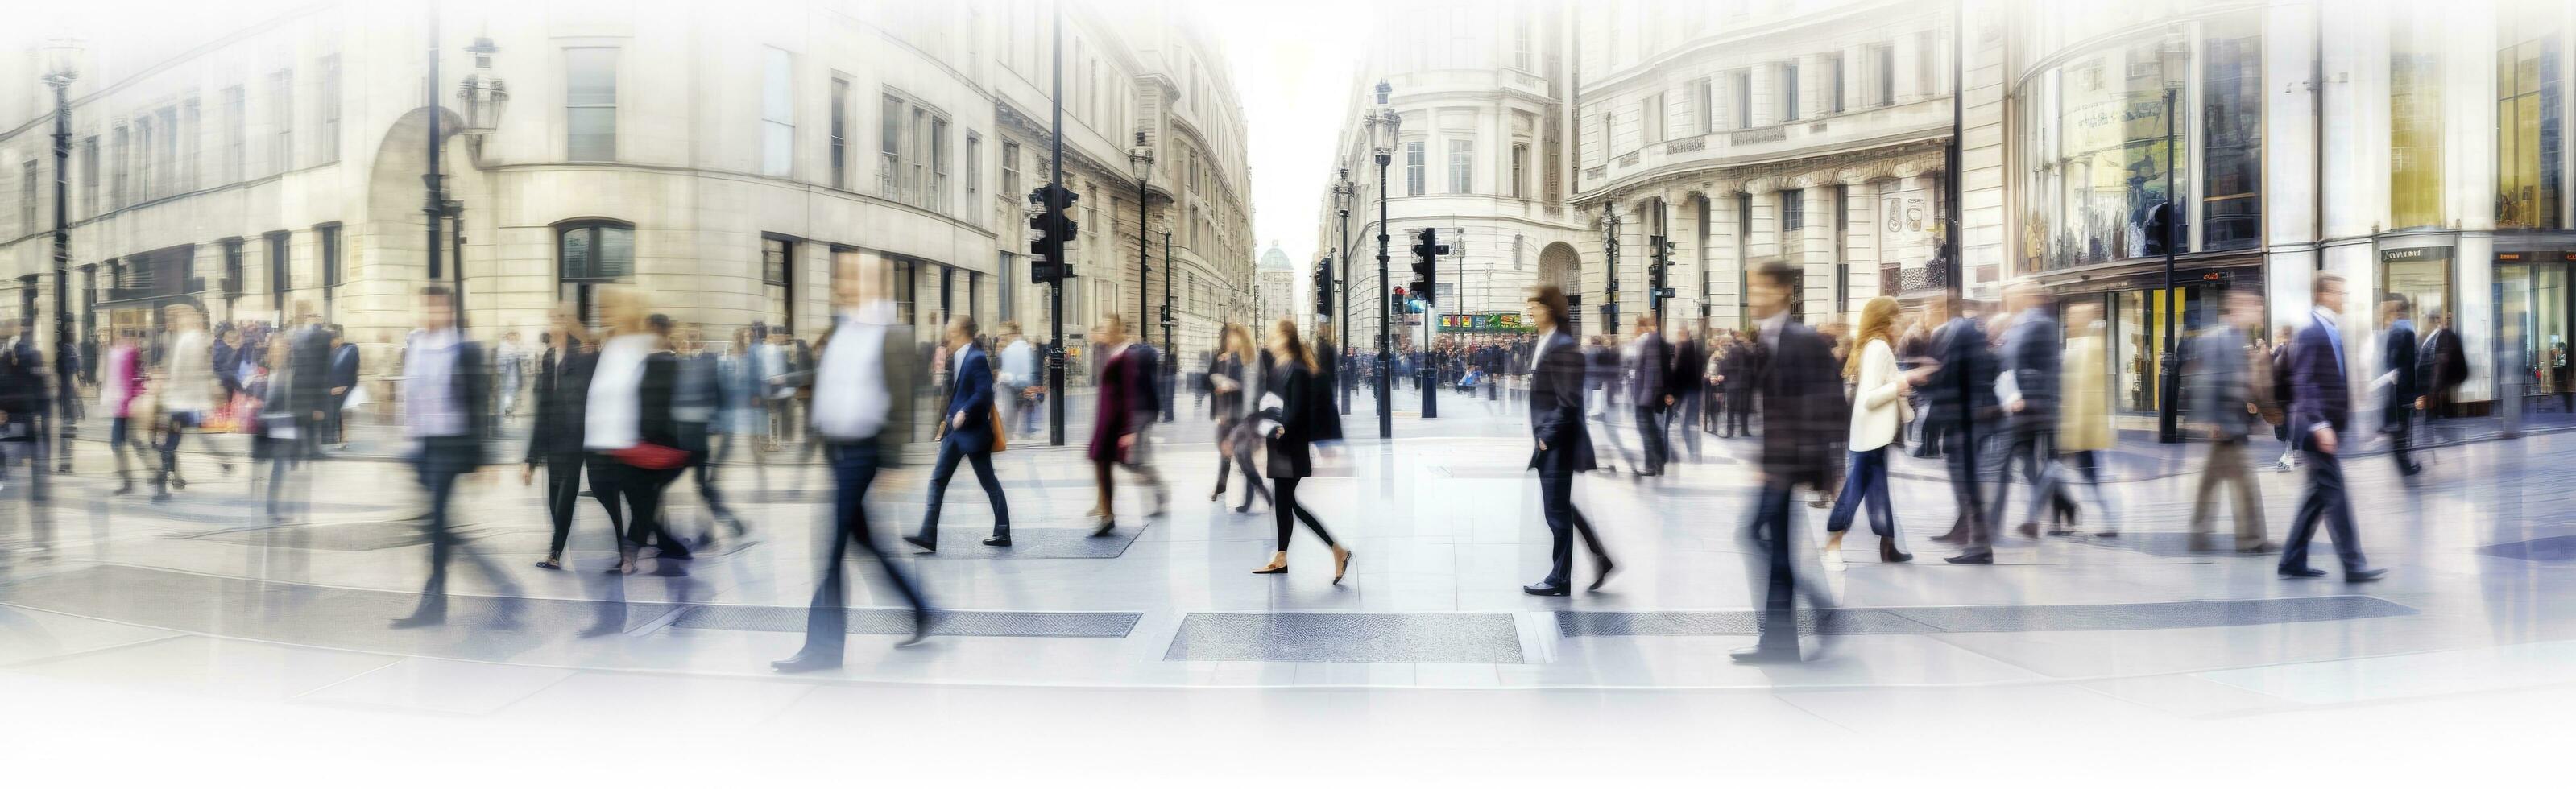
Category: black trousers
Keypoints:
(854, 468)
(639, 492)
(1285, 511)
(1239, 461)
(2034, 448)
(1769, 537)
(2326, 500)
(442, 461)
(2399, 422)
(951, 449)
(1650, 432)
(1958, 453)
(563, 491)
(1564, 522)
(1739, 413)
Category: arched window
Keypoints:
(590, 253)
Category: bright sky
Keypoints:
(1293, 64)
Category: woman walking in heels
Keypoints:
(1877, 414)
(1293, 428)
(1229, 379)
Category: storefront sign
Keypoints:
(1491, 321)
(2414, 253)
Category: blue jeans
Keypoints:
(1866, 481)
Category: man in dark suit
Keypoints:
(343, 378)
(1737, 374)
(2397, 382)
(446, 411)
(1959, 390)
(1649, 361)
(2031, 358)
(2320, 413)
(1685, 375)
(1563, 444)
(1801, 390)
(2441, 365)
(966, 431)
(309, 353)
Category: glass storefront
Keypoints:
(2421, 274)
(2137, 324)
(2231, 200)
(2532, 310)
(2529, 127)
(2415, 117)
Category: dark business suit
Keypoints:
(1802, 396)
(2441, 365)
(2031, 354)
(309, 390)
(2320, 398)
(1960, 391)
(344, 378)
(2397, 414)
(554, 439)
(1683, 379)
(1562, 450)
(1646, 390)
(967, 422)
(1738, 370)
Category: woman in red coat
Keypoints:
(1127, 407)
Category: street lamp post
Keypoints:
(2175, 58)
(1610, 257)
(1171, 363)
(1343, 192)
(1382, 128)
(62, 67)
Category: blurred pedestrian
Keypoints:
(1684, 375)
(562, 388)
(2027, 386)
(188, 395)
(274, 436)
(446, 410)
(1561, 443)
(2396, 382)
(1019, 378)
(1735, 375)
(1878, 414)
(2084, 418)
(968, 430)
(1960, 393)
(510, 360)
(2282, 340)
(742, 416)
(2231, 391)
(1649, 360)
(2320, 411)
(697, 400)
(1800, 395)
(628, 428)
(310, 354)
(1292, 428)
(774, 362)
(1229, 378)
(1125, 411)
(117, 392)
(861, 389)
(343, 380)
(2442, 365)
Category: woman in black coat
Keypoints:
(1229, 379)
(1300, 420)
(1561, 443)
(627, 426)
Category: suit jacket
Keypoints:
(1963, 386)
(2222, 381)
(970, 392)
(1802, 407)
(1682, 372)
(344, 366)
(562, 390)
(310, 388)
(2397, 355)
(1563, 444)
(2031, 353)
(2319, 395)
(1646, 387)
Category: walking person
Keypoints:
(967, 430)
(117, 392)
(1960, 391)
(1878, 414)
(2231, 390)
(2283, 339)
(2396, 383)
(1735, 376)
(696, 401)
(628, 429)
(2320, 411)
(274, 427)
(1649, 361)
(2441, 366)
(1126, 409)
(742, 419)
(510, 361)
(1683, 374)
(310, 355)
(188, 395)
(1561, 443)
(2083, 418)
(25, 392)
(445, 414)
(560, 391)
(1800, 395)
(1019, 380)
(861, 390)
(343, 379)
(1291, 429)
(1229, 379)
(774, 363)
(2027, 387)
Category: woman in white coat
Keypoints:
(1877, 414)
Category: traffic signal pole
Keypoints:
(1055, 294)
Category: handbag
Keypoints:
(1001, 441)
(650, 456)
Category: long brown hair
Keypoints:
(1551, 304)
(1284, 341)
(1877, 319)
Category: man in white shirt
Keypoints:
(446, 412)
(1019, 381)
(862, 414)
(188, 392)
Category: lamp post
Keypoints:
(1610, 256)
(1140, 160)
(2175, 58)
(1383, 125)
(1343, 192)
(62, 66)
(1171, 363)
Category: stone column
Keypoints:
(1725, 259)
(1860, 240)
(1818, 254)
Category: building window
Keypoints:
(2094, 183)
(236, 133)
(2529, 141)
(939, 164)
(1520, 169)
(891, 183)
(1744, 99)
(116, 160)
(327, 239)
(590, 104)
(1524, 57)
(1011, 169)
(1007, 277)
(777, 114)
(840, 133)
(589, 254)
(1834, 88)
(917, 138)
(1413, 167)
(2231, 203)
(2415, 122)
(329, 136)
(193, 167)
(89, 174)
(281, 120)
(281, 279)
(232, 281)
(1704, 104)
(1884, 57)
(1462, 166)
(1652, 116)
(1793, 211)
(974, 177)
(1788, 92)
(778, 277)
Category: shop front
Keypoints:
(2136, 318)
(2532, 309)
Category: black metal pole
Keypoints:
(2168, 412)
(435, 210)
(65, 403)
(1055, 293)
(1171, 363)
(1144, 266)
(1386, 309)
(1430, 340)
(1345, 274)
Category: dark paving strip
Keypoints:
(2560, 548)
(1991, 618)
(966, 542)
(893, 621)
(1347, 638)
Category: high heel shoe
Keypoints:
(1341, 562)
(1278, 564)
(1887, 552)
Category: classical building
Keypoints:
(718, 160)
(1480, 156)
(2415, 149)
(1275, 291)
(1744, 134)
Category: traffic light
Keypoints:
(1052, 229)
(2159, 227)
(1426, 260)
(1324, 287)
(1395, 303)
(1657, 286)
